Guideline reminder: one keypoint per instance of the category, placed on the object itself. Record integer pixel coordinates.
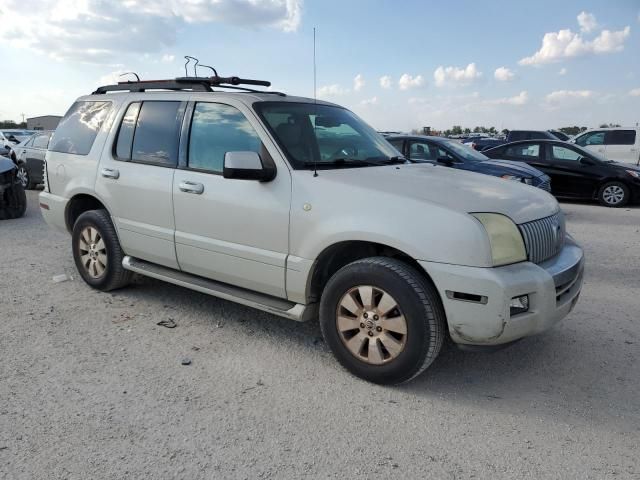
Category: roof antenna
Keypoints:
(188, 58)
(315, 102)
(130, 73)
(212, 69)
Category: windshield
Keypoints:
(590, 153)
(559, 135)
(328, 136)
(464, 151)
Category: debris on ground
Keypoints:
(168, 323)
(62, 278)
(186, 361)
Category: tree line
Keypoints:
(12, 124)
(459, 130)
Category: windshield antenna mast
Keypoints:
(315, 101)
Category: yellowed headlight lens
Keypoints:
(506, 241)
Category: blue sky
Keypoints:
(586, 70)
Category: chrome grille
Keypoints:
(544, 238)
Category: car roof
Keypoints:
(608, 128)
(417, 137)
(535, 140)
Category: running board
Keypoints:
(260, 301)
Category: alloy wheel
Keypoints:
(93, 252)
(613, 194)
(23, 177)
(371, 324)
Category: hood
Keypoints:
(519, 168)
(459, 190)
(626, 166)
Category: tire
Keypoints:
(347, 332)
(97, 251)
(614, 194)
(23, 177)
(14, 202)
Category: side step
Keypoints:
(260, 301)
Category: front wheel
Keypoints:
(23, 177)
(614, 194)
(13, 203)
(97, 252)
(382, 319)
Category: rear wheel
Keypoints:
(97, 252)
(382, 319)
(614, 194)
(14, 202)
(23, 177)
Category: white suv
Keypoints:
(300, 209)
(619, 144)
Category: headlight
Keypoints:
(515, 178)
(506, 241)
(633, 173)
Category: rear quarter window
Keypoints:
(621, 137)
(78, 129)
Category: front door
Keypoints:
(232, 231)
(569, 176)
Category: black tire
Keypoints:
(419, 303)
(114, 275)
(14, 202)
(606, 200)
(23, 172)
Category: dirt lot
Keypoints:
(91, 387)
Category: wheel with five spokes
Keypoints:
(97, 252)
(383, 320)
(614, 194)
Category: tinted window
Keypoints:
(157, 133)
(125, 134)
(515, 136)
(397, 143)
(215, 130)
(593, 138)
(78, 129)
(524, 151)
(41, 141)
(423, 151)
(564, 153)
(621, 137)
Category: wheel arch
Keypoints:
(78, 204)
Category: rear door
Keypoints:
(34, 157)
(135, 178)
(528, 152)
(232, 231)
(621, 146)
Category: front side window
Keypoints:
(150, 133)
(593, 138)
(215, 130)
(324, 136)
(621, 137)
(423, 151)
(564, 153)
(524, 151)
(79, 128)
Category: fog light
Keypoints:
(519, 305)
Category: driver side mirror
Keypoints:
(448, 161)
(586, 161)
(246, 166)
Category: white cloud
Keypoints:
(503, 74)
(358, 83)
(587, 22)
(456, 76)
(168, 58)
(333, 90)
(562, 71)
(635, 92)
(100, 31)
(557, 46)
(386, 81)
(408, 81)
(112, 78)
(521, 99)
(566, 97)
(370, 101)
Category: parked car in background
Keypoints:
(449, 153)
(517, 135)
(575, 171)
(29, 157)
(13, 201)
(7, 142)
(560, 135)
(618, 144)
(297, 207)
(482, 143)
(17, 135)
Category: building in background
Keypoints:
(46, 122)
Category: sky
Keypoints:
(399, 64)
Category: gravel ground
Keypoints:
(91, 387)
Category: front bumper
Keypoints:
(476, 300)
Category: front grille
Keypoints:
(544, 238)
(546, 186)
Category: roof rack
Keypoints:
(194, 84)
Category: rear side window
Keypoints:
(78, 129)
(621, 137)
(217, 129)
(397, 143)
(515, 136)
(150, 133)
(41, 141)
(525, 151)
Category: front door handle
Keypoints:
(110, 173)
(191, 187)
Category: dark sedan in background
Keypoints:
(451, 153)
(576, 172)
(29, 156)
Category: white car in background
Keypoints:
(619, 144)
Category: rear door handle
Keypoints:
(110, 173)
(191, 187)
